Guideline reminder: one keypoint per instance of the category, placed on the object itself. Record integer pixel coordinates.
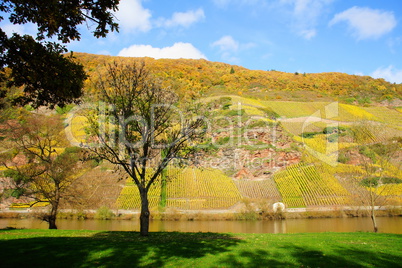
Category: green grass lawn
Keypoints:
(60, 248)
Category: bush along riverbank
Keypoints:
(61, 248)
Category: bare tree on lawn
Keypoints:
(138, 121)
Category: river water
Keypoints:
(385, 225)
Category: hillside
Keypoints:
(292, 158)
(202, 78)
(273, 137)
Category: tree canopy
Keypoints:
(46, 76)
(39, 165)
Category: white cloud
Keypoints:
(389, 73)
(229, 48)
(132, 16)
(305, 14)
(226, 43)
(9, 29)
(308, 34)
(184, 19)
(366, 23)
(359, 73)
(177, 51)
(21, 29)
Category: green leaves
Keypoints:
(61, 18)
(48, 77)
(16, 175)
(376, 181)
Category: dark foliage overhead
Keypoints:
(46, 76)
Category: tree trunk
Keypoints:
(55, 207)
(144, 217)
(162, 203)
(374, 219)
(52, 222)
(53, 215)
(372, 205)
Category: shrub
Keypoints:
(364, 150)
(259, 124)
(235, 112)
(333, 138)
(343, 158)
(388, 180)
(64, 110)
(29, 108)
(270, 113)
(226, 102)
(370, 182)
(364, 100)
(350, 100)
(223, 140)
(226, 106)
(375, 181)
(81, 215)
(309, 135)
(104, 213)
(207, 147)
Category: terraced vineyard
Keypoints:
(302, 186)
(350, 177)
(186, 189)
(393, 193)
(384, 114)
(299, 185)
(352, 113)
(298, 127)
(290, 109)
(335, 111)
(259, 189)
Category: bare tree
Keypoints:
(378, 174)
(39, 164)
(140, 120)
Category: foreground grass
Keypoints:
(61, 248)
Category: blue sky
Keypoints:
(356, 37)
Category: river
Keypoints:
(385, 224)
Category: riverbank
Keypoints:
(316, 225)
(61, 248)
(201, 215)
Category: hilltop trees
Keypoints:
(139, 128)
(38, 165)
(48, 77)
(203, 78)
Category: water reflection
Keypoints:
(386, 225)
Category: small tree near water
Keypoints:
(38, 165)
(137, 122)
(378, 174)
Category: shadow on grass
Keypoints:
(128, 249)
(290, 255)
(112, 249)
